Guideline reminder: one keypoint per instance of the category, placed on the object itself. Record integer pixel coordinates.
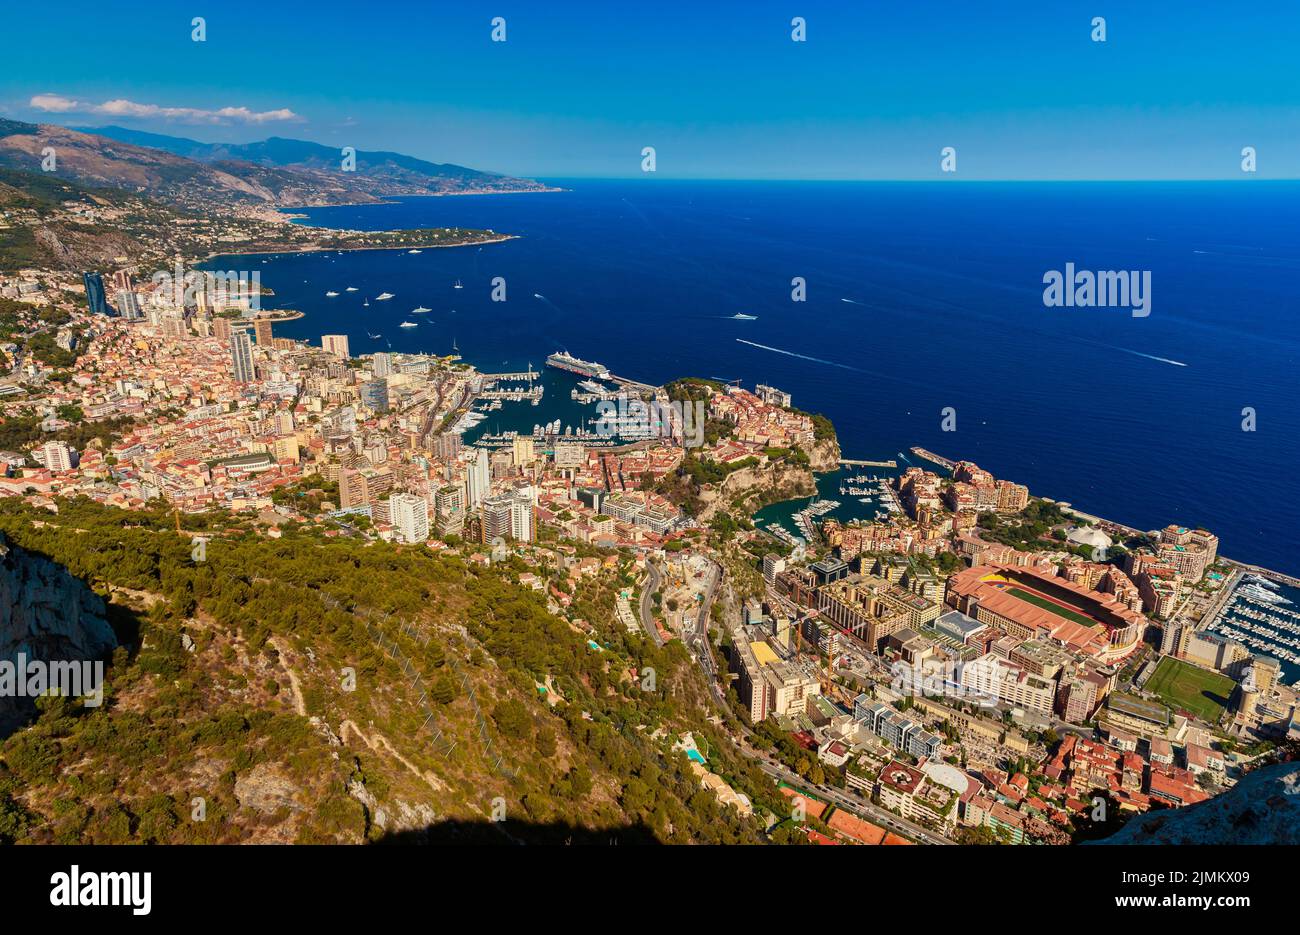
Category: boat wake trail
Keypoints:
(547, 302)
(1163, 360)
(816, 360)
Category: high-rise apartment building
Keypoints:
(374, 394)
(95, 300)
(479, 481)
(57, 456)
(410, 517)
(241, 354)
(336, 344)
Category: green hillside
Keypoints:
(444, 724)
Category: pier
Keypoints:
(633, 385)
(931, 456)
(529, 374)
(846, 462)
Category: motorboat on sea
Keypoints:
(383, 297)
(330, 295)
(408, 324)
(420, 310)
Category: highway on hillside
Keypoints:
(699, 639)
(648, 590)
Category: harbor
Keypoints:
(561, 402)
(842, 495)
(1263, 615)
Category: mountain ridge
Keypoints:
(275, 173)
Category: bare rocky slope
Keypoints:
(1264, 808)
(48, 615)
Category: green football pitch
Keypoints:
(1186, 687)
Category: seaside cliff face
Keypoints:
(1264, 808)
(772, 484)
(48, 614)
(825, 455)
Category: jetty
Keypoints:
(934, 458)
(847, 462)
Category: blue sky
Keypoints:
(719, 89)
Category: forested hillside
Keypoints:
(308, 689)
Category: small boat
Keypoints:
(414, 251)
(408, 324)
(366, 303)
(383, 297)
(740, 316)
(421, 310)
(458, 285)
(330, 295)
(373, 337)
(350, 289)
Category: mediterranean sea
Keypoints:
(919, 297)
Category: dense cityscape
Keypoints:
(973, 664)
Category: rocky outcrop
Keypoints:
(761, 485)
(825, 455)
(46, 614)
(1264, 808)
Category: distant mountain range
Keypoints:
(276, 172)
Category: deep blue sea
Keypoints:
(920, 296)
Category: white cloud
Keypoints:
(58, 104)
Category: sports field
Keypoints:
(1186, 687)
(1054, 607)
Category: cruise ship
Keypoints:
(563, 360)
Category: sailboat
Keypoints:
(366, 303)
(458, 285)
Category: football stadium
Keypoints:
(1027, 603)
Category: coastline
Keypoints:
(286, 211)
(319, 249)
(1279, 576)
